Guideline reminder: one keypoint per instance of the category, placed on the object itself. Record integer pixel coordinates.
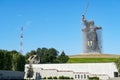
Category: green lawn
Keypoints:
(91, 60)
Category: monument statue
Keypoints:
(34, 59)
(91, 36)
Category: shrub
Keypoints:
(54, 77)
(61, 77)
(44, 77)
(93, 78)
(50, 77)
(71, 78)
(64, 77)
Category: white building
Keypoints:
(77, 71)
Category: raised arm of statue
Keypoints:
(83, 18)
(85, 22)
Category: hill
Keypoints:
(93, 58)
(97, 55)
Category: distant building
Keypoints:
(77, 71)
(6, 74)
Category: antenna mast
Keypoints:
(21, 40)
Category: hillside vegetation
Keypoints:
(91, 60)
(87, 55)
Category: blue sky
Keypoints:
(57, 24)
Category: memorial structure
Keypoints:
(76, 71)
(91, 37)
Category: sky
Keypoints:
(57, 24)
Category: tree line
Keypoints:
(15, 61)
(50, 55)
(11, 60)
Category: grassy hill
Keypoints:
(93, 58)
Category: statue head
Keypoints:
(87, 24)
(91, 24)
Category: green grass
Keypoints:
(91, 60)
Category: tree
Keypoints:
(118, 64)
(48, 55)
(30, 71)
(63, 58)
(32, 52)
(45, 58)
(7, 61)
(18, 61)
(14, 61)
(21, 62)
(11, 60)
(41, 52)
(52, 54)
(2, 58)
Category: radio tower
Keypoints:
(21, 40)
